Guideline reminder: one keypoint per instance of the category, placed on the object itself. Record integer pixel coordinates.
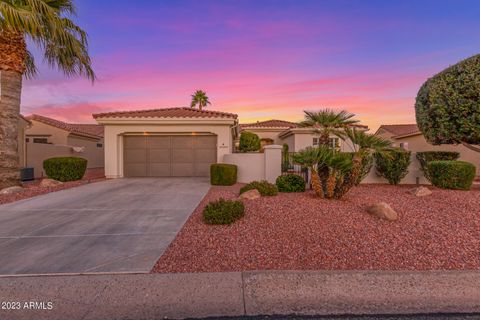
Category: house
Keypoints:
(409, 137)
(47, 137)
(297, 138)
(23, 124)
(168, 142)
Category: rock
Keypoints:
(420, 191)
(250, 194)
(11, 190)
(48, 183)
(383, 211)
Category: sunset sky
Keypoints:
(261, 59)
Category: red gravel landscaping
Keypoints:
(300, 232)
(32, 188)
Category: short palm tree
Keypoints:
(64, 44)
(328, 122)
(199, 98)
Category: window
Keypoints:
(27, 140)
(404, 145)
(332, 142)
(99, 145)
(316, 141)
(40, 140)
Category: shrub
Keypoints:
(222, 174)
(451, 174)
(223, 212)
(393, 165)
(290, 183)
(264, 187)
(446, 107)
(367, 164)
(65, 168)
(425, 157)
(249, 141)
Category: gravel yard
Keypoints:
(298, 231)
(32, 188)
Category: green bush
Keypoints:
(223, 212)
(447, 108)
(249, 141)
(290, 183)
(65, 168)
(222, 174)
(425, 157)
(265, 188)
(451, 174)
(393, 165)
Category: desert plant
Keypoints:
(447, 108)
(328, 122)
(223, 211)
(264, 188)
(451, 174)
(285, 158)
(65, 168)
(425, 157)
(49, 26)
(311, 158)
(223, 174)
(290, 183)
(249, 142)
(199, 98)
(393, 165)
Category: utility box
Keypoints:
(27, 174)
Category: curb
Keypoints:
(198, 295)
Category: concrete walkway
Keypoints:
(158, 296)
(121, 225)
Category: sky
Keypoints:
(260, 59)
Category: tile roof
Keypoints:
(183, 112)
(89, 130)
(269, 124)
(24, 118)
(400, 129)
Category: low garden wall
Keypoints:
(257, 166)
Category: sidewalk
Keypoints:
(158, 296)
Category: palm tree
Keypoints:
(328, 122)
(199, 98)
(65, 47)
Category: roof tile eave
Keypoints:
(168, 113)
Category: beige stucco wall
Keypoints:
(56, 135)
(113, 139)
(92, 153)
(268, 134)
(21, 144)
(250, 166)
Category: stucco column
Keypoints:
(273, 162)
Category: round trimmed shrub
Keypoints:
(393, 165)
(65, 168)
(264, 187)
(451, 174)
(222, 174)
(290, 183)
(223, 211)
(249, 142)
(446, 106)
(425, 157)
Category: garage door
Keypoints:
(169, 156)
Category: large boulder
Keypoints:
(250, 195)
(11, 190)
(420, 191)
(49, 183)
(383, 211)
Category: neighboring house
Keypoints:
(23, 124)
(407, 136)
(167, 142)
(297, 138)
(47, 137)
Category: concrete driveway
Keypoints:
(121, 225)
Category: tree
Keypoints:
(249, 142)
(64, 44)
(448, 105)
(199, 98)
(328, 122)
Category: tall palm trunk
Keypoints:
(12, 66)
